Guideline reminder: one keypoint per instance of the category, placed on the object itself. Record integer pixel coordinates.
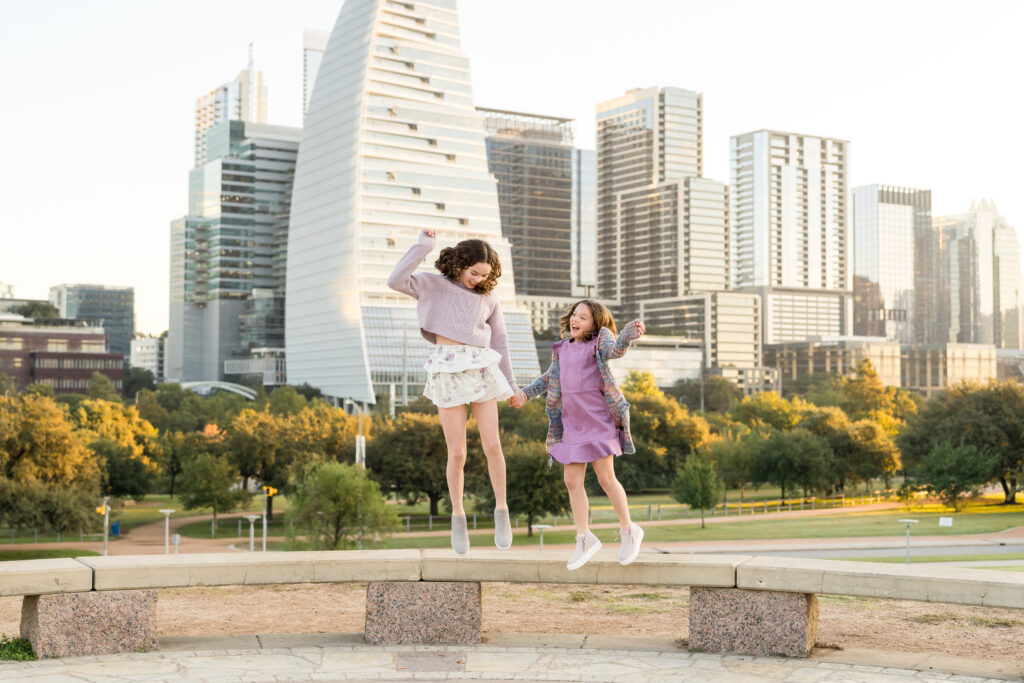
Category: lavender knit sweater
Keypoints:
(450, 309)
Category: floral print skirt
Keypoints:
(458, 374)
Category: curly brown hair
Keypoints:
(602, 318)
(453, 260)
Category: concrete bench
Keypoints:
(738, 604)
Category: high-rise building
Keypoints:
(58, 352)
(113, 308)
(648, 141)
(243, 99)
(980, 264)
(790, 240)
(313, 45)
(228, 253)
(391, 145)
(894, 287)
(584, 222)
(531, 158)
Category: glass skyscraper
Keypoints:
(313, 45)
(531, 158)
(392, 144)
(584, 222)
(894, 287)
(230, 246)
(111, 307)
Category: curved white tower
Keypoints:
(391, 145)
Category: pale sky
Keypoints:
(98, 100)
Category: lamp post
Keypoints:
(268, 491)
(360, 439)
(541, 528)
(104, 510)
(908, 522)
(167, 531)
(252, 531)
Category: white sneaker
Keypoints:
(630, 548)
(586, 546)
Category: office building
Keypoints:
(790, 238)
(242, 99)
(148, 353)
(531, 158)
(584, 223)
(60, 353)
(392, 144)
(667, 359)
(798, 361)
(313, 45)
(112, 308)
(932, 368)
(228, 254)
(891, 233)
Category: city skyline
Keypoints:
(905, 142)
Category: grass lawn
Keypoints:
(43, 554)
(228, 528)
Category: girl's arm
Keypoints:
(499, 342)
(539, 385)
(609, 347)
(403, 278)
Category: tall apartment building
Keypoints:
(243, 99)
(531, 158)
(148, 353)
(313, 45)
(895, 276)
(584, 223)
(980, 265)
(391, 144)
(112, 308)
(228, 253)
(790, 231)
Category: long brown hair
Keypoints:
(602, 318)
(453, 260)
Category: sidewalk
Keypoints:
(341, 657)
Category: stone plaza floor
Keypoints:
(517, 657)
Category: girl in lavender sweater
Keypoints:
(469, 364)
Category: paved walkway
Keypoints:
(344, 657)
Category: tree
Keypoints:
(338, 504)
(534, 489)
(101, 387)
(40, 389)
(7, 385)
(658, 421)
(952, 471)
(209, 481)
(988, 417)
(37, 309)
(148, 404)
(253, 442)
(137, 379)
(286, 401)
(698, 486)
(720, 395)
(410, 457)
(768, 409)
(124, 475)
(796, 458)
(733, 460)
(642, 383)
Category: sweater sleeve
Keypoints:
(539, 385)
(403, 278)
(499, 342)
(609, 347)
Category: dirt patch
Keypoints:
(845, 622)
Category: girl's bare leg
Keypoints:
(574, 473)
(486, 415)
(605, 470)
(453, 422)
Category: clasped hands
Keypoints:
(518, 399)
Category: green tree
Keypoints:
(124, 476)
(101, 387)
(733, 461)
(148, 404)
(209, 481)
(253, 444)
(7, 385)
(40, 389)
(698, 486)
(796, 458)
(37, 309)
(339, 504)
(988, 417)
(720, 395)
(658, 421)
(953, 471)
(534, 489)
(768, 409)
(320, 432)
(137, 379)
(286, 401)
(409, 457)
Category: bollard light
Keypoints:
(908, 522)
(541, 528)
(252, 531)
(167, 531)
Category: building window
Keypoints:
(12, 344)
(56, 344)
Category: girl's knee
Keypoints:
(606, 478)
(457, 456)
(492, 447)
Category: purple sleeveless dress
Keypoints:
(589, 431)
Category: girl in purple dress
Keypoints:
(588, 418)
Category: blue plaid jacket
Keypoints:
(608, 347)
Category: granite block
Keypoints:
(422, 613)
(94, 623)
(765, 623)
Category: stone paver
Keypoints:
(343, 657)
